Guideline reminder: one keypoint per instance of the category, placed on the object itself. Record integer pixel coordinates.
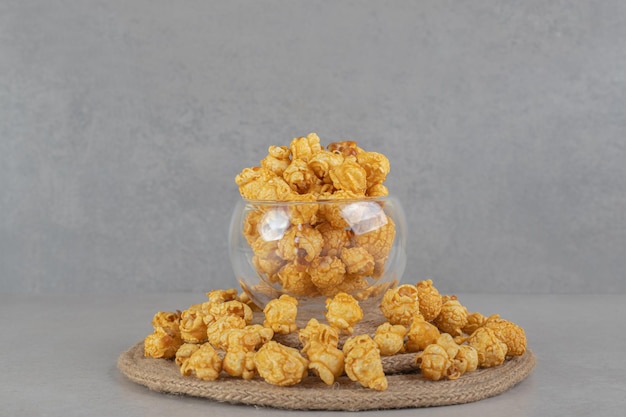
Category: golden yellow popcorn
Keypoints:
(184, 352)
(400, 305)
(304, 148)
(280, 365)
(466, 359)
(435, 363)
(161, 343)
(216, 329)
(192, 326)
(452, 318)
(295, 281)
(168, 320)
(376, 166)
(363, 363)
(221, 296)
(320, 346)
(204, 363)
(474, 321)
(251, 224)
(280, 314)
(318, 332)
(303, 214)
(491, 350)
(349, 176)
(358, 261)
(510, 333)
(262, 184)
(323, 162)
(277, 160)
(378, 243)
(231, 308)
(335, 239)
(421, 334)
(343, 312)
(430, 301)
(446, 341)
(344, 148)
(300, 244)
(266, 258)
(377, 190)
(300, 177)
(327, 272)
(240, 346)
(390, 338)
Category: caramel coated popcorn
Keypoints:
(162, 344)
(430, 301)
(363, 363)
(323, 249)
(491, 350)
(280, 314)
(448, 346)
(390, 338)
(240, 346)
(343, 312)
(452, 318)
(510, 333)
(280, 365)
(319, 344)
(204, 363)
(421, 334)
(400, 305)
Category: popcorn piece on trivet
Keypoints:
(510, 333)
(435, 364)
(363, 363)
(430, 301)
(343, 312)
(320, 346)
(400, 305)
(161, 343)
(280, 314)
(421, 334)
(491, 350)
(216, 329)
(192, 326)
(390, 338)
(204, 363)
(452, 318)
(280, 365)
(184, 352)
(168, 320)
(240, 346)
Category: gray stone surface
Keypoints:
(123, 123)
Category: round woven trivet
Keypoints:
(407, 388)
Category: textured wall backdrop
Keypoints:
(123, 124)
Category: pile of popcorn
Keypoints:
(305, 171)
(318, 252)
(218, 336)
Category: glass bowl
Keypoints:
(313, 250)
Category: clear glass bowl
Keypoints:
(314, 250)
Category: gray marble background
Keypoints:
(123, 124)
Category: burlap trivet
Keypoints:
(406, 390)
